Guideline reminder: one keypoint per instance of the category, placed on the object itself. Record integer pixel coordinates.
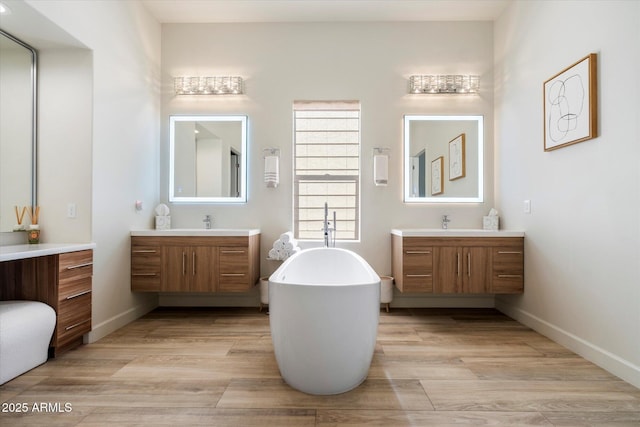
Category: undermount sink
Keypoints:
(455, 232)
(198, 232)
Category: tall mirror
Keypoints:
(18, 72)
(208, 159)
(443, 159)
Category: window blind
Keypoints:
(326, 167)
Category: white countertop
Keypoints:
(241, 232)
(453, 232)
(13, 252)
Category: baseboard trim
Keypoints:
(612, 363)
(442, 301)
(116, 322)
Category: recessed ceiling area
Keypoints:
(226, 11)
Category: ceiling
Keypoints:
(220, 11)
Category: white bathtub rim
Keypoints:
(277, 276)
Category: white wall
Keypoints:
(121, 165)
(369, 62)
(583, 234)
(65, 143)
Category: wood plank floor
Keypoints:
(216, 367)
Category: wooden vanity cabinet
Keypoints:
(453, 265)
(194, 263)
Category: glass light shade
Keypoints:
(227, 85)
(427, 84)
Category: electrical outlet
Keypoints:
(527, 206)
(71, 210)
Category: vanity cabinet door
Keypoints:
(462, 270)
(476, 270)
(187, 269)
(202, 268)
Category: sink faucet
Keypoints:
(207, 222)
(445, 222)
(329, 231)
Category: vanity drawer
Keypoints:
(75, 265)
(72, 289)
(508, 258)
(419, 281)
(417, 258)
(74, 319)
(234, 259)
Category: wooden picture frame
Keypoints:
(457, 155)
(437, 176)
(570, 105)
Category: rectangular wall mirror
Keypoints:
(443, 159)
(208, 159)
(18, 72)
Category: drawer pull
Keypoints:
(418, 275)
(509, 276)
(145, 251)
(233, 252)
(510, 252)
(68, 328)
(79, 294)
(145, 274)
(73, 267)
(232, 274)
(417, 252)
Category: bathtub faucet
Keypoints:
(329, 232)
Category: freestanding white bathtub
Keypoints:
(324, 305)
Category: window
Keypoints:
(326, 168)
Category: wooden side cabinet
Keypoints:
(64, 282)
(194, 263)
(73, 302)
(458, 265)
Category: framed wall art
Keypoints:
(437, 176)
(570, 105)
(457, 167)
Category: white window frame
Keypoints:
(329, 106)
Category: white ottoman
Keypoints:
(26, 328)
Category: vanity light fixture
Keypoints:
(218, 85)
(450, 83)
